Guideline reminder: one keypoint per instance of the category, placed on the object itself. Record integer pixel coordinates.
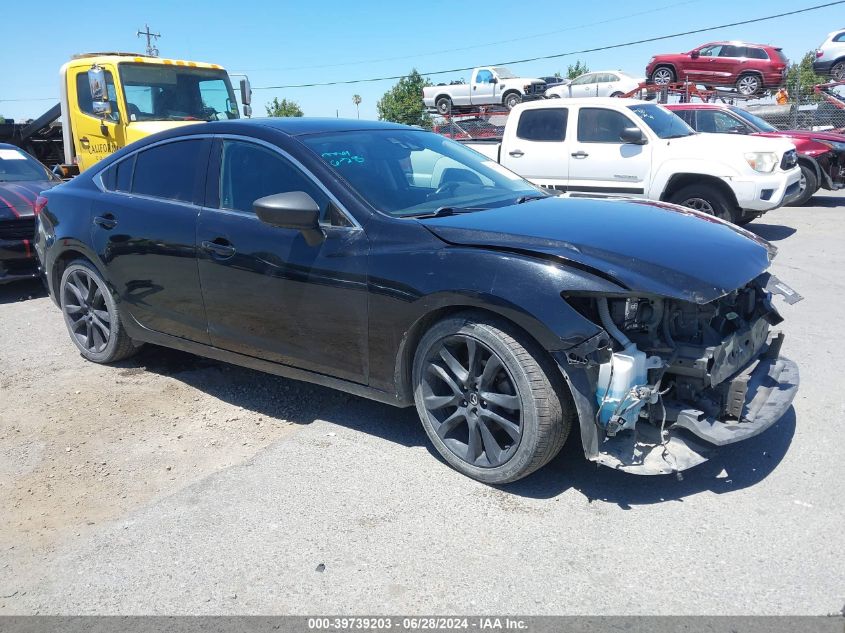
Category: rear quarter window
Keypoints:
(756, 53)
(548, 124)
(168, 171)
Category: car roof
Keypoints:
(697, 106)
(740, 43)
(291, 126)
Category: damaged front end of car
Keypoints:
(668, 380)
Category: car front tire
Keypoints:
(811, 185)
(91, 315)
(485, 395)
(706, 199)
(511, 100)
(663, 76)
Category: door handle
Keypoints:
(106, 221)
(83, 140)
(579, 154)
(516, 153)
(219, 247)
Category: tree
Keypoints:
(285, 107)
(577, 70)
(801, 77)
(356, 99)
(403, 102)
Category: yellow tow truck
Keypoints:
(109, 100)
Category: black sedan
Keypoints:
(22, 178)
(399, 265)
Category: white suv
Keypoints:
(830, 56)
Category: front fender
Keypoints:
(682, 166)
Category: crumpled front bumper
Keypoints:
(772, 382)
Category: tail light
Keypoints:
(40, 203)
(819, 54)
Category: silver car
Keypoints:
(602, 83)
(830, 56)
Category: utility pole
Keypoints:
(152, 51)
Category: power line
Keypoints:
(37, 99)
(557, 55)
(474, 46)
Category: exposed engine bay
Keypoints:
(675, 373)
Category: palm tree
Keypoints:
(356, 99)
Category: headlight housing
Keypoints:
(838, 146)
(764, 162)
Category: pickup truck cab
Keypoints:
(635, 148)
(489, 85)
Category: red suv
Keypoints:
(821, 155)
(749, 67)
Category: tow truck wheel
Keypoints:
(443, 105)
(809, 185)
(706, 199)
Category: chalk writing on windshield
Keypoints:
(336, 159)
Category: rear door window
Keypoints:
(598, 125)
(168, 171)
(547, 124)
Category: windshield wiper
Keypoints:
(522, 199)
(442, 212)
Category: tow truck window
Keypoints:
(83, 95)
(177, 93)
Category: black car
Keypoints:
(396, 264)
(22, 178)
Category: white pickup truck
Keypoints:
(635, 148)
(490, 85)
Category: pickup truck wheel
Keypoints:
(749, 85)
(91, 315)
(443, 105)
(706, 199)
(662, 76)
(511, 99)
(809, 185)
(483, 393)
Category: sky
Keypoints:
(282, 42)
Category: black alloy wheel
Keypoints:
(472, 402)
(485, 394)
(91, 315)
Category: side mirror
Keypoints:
(494, 80)
(632, 135)
(695, 54)
(293, 210)
(99, 93)
(246, 96)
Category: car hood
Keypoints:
(17, 199)
(645, 247)
(806, 135)
(736, 143)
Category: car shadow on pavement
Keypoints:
(731, 468)
(771, 232)
(15, 291)
(825, 201)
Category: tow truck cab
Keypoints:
(109, 100)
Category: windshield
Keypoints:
(155, 92)
(17, 166)
(411, 173)
(661, 121)
(753, 119)
(503, 72)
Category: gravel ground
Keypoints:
(178, 485)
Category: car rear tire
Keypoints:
(749, 84)
(810, 184)
(443, 105)
(485, 395)
(91, 315)
(705, 198)
(511, 100)
(662, 76)
(837, 71)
